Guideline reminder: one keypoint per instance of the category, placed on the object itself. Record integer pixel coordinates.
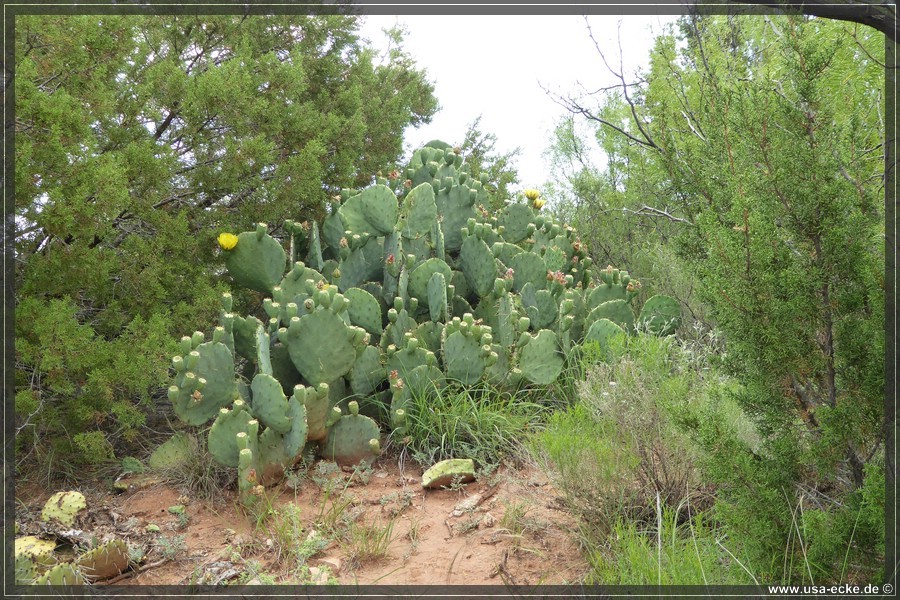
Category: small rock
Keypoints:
(488, 520)
(466, 505)
(313, 536)
(318, 576)
(333, 564)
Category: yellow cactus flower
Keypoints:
(227, 240)
(538, 203)
(532, 194)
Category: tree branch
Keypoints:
(882, 17)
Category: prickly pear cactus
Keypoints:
(104, 561)
(447, 471)
(352, 439)
(61, 574)
(661, 315)
(26, 570)
(38, 551)
(255, 259)
(178, 451)
(404, 286)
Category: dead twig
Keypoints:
(133, 572)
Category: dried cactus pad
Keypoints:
(445, 472)
(63, 507)
(38, 550)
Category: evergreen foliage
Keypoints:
(751, 158)
(138, 138)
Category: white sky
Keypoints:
(493, 65)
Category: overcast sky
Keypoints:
(494, 66)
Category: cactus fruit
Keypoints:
(63, 507)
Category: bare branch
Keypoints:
(573, 107)
(649, 211)
(637, 121)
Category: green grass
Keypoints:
(367, 542)
(478, 422)
(666, 553)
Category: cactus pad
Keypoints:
(448, 471)
(257, 261)
(322, 346)
(61, 574)
(178, 451)
(349, 440)
(372, 211)
(104, 561)
(540, 360)
(63, 507)
(661, 315)
(38, 551)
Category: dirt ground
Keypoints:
(377, 526)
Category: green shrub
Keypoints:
(782, 529)
(614, 450)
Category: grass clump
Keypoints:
(480, 422)
(679, 549)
